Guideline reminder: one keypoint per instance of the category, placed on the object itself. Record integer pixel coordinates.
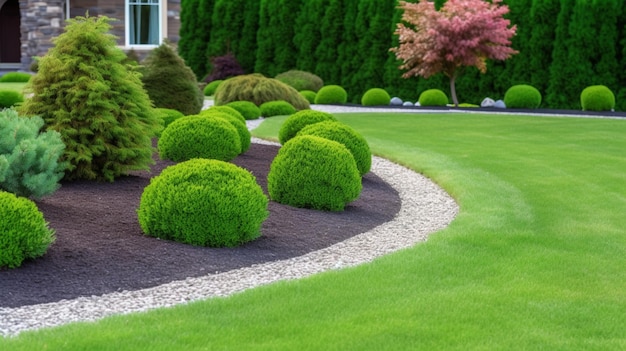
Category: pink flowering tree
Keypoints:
(462, 33)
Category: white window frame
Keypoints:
(161, 11)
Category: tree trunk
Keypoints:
(455, 101)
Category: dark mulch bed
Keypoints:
(100, 247)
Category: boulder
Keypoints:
(395, 101)
(499, 104)
(407, 103)
(487, 102)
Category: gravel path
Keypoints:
(426, 208)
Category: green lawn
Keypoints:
(19, 87)
(535, 260)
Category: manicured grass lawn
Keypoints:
(536, 259)
(19, 87)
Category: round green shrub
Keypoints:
(199, 137)
(204, 203)
(331, 94)
(294, 123)
(309, 95)
(301, 80)
(168, 115)
(227, 109)
(239, 124)
(522, 96)
(15, 77)
(597, 98)
(24, 233)
(348, 137)
(247, 109)
(433, 97)
(277, 108)
(375, 97)
(209, 89)
(258, 89)
(10, 98)
(314, 172)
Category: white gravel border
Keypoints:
(425, 209)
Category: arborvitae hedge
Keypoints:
(307, 35)
(327, 52)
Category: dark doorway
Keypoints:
(10, 44)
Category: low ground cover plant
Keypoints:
(299, 120)
(522, 96)
(276, 108)
(248, 109)
(331, 94)
(314, 172)
(205, 203)
(24, 233)
(375, 97)
(597, 98)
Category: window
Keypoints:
(143, 22)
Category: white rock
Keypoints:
(499, 104)
(395, 101)
(407, 103)
(487, 102)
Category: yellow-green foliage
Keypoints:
(375, 97)
(597, 98)
(15, 77)
(522, 96)
(239, 124)
(294, 123)
(227, 109)
(247, 109)
(331, 94)
(203, 202)
(309, 95)
(10, 98)
(258, 89)
(314, 172)
(433, 97)
(301, 80)
(277, 108)
(168, 115)
(199, 137)
(348, 137)
(211, 88)
(24, 233)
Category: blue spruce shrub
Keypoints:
(597, 98)
(294, 123)
(348, 137)
(204, 203)
(313, 172)
(30, 160)
(276, 108)
(24, 233)
(199, 137)
(376, 97)
(331, 94)
(522, 96)
(433, 97)
(247, 109)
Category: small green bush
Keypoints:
(209, 89)
(348, 137)
(276, 108)
(314, 172)
(597, 98)
(24, 233)
(301, 80)
(199, 137)
(205, 203)
(10, 98)
(227, 109)
(247, 109)
(15, 77)
(522, 96)
(239, 124)
(309, 95)
(331, 94)
(30, 160)
(433, 97)
(258, 89)
(375, 97)
(294, 123)
(168, 115)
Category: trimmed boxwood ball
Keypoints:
(294, 123)
(211, 88)
(277, 108)
(314, 172)
(433, 97)
(348, 137)
(205, 203)
(242, 128)
(15, 77)
(258, 89)
(168, 115)
(597, 98)
(331, 94)
(375, 97)
(522, 96)
(309, 95)
(199, 137)
(226, 109)
(247, 109)
(24, 233)
(9, 98)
